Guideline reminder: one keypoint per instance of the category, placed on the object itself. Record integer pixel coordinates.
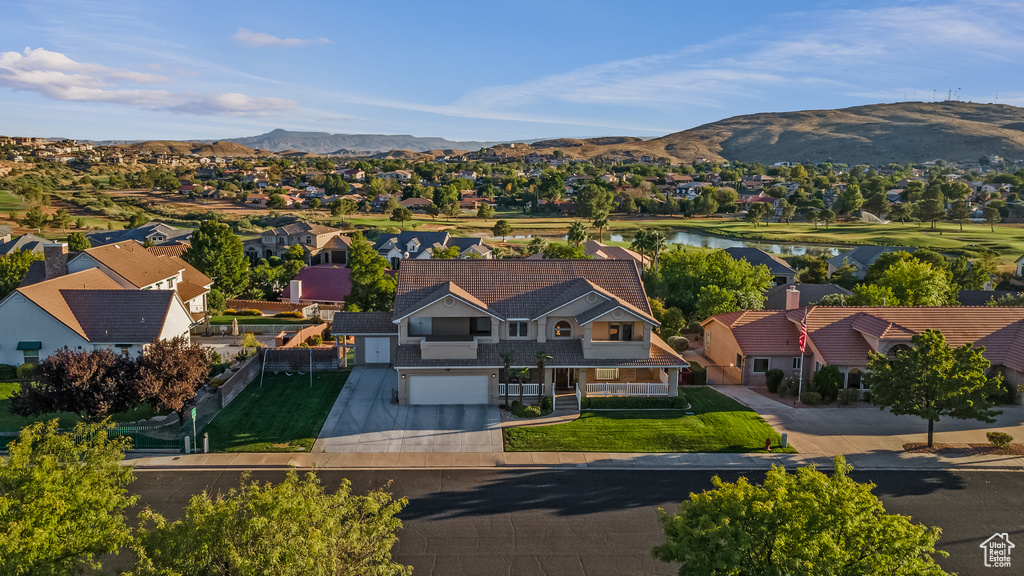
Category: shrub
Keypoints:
(250, 312)
(243, 355)
(315, 340)
(811, 398)
(546, 404)
(219, 368)
(999, 440)
(8, 372)
(230, 312)
(848, 395)
(216, 382)
(773, 378)
(26, 371)
(250, 341)
(213, 355)
(215, 299)
(619, 403)
(693, 327)
(700, 374)
(516, 407)
(289, 314)
(679, 343)
(826, 382)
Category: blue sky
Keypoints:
(483, 70)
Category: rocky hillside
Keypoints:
(171, 147)
(875, 134)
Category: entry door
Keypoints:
(378, 351)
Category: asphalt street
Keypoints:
(591, 522)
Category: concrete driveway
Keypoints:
(363, 419)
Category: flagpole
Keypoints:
(803, 345)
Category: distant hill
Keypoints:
(348, 144)
(175, 148)
(875, 134)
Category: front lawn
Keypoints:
(9, 421)
(718, 424)
(285, 415)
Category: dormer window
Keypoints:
(563, 329)
(309, 240)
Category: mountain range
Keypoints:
(347, 144)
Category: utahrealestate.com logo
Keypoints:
(997, 550)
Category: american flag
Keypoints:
(802, 342)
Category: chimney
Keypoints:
(792, 298)
(295, 291)
(55, 259)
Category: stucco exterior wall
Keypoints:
(23, 321)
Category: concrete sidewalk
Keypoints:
(882, 460)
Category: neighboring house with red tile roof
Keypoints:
(86, 310)
(456, 317)
(324, 284)
(600, 251)
(742, 346)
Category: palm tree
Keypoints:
(577, 233)
(601, 222)
(542, 357)
(641, 242)
(507, 358)
(657, 242)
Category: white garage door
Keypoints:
(448, 389)
(378, 351)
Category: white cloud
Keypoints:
(57, 76)
(252, 39)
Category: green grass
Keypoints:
(718, 424)
(9, 421)
(285, 415)
(257, 320)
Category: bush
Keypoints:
(811, 398)
(219, 368)
(290, 314)
(315, 340)
(693, 327)
(679, 343)
(516, 407)
(244, 354)
(700, 374)
(999, 440)
(215, 300)
(826, 382)
(848, 395)
(773, 378)
(213, 355)
(546, 404)
(250, 341)
(8, 372)
(247, 312)
(26, 371)
(618, 403)
(217, 382)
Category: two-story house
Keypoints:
(322, 244)
(454, 320)
(154, 232)
(421, 245)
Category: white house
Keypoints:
(86, 310)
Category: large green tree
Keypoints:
(802, 524)
(682, 275)
(916, 283)
(62, 500)
(502, 228)
(217, 252)
(592, 200)
(931, 379)
(13, 268)
(577, 233)
(292, 528)
(849, 200)
(372, 287)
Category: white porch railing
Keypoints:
(627, 389)
(513, 390)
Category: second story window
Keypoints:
(518, 329)
(309, 240)
(621, 332)
(563, 329)
(419, 326)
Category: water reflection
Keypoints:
(700, 239)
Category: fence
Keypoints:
(142, 437)
(723, 375)
(528, 389)
(225, 329)
(239, 380)
(300, 359)
(627, 389)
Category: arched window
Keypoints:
(563, 329)
(897, 350)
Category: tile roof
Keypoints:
(172, 249)
(403, 238)
(325, 283)
(982, 297)
(193, 282)
(865, 255)
(134, 263)
(775, 297)
(564, 354)
(47, 295)
(351, 323)
(777, 266)
(141, 234)
(29, 242)
(300, 228)
(605, 252)
(520, 288)
(114, 316)
(838, 333)
(36, 273)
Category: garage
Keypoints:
(378, 350)
(448, 389)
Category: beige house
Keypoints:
(456, 319)
(321, 244)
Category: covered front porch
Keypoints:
(570, 385)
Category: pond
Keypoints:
(702, 240)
